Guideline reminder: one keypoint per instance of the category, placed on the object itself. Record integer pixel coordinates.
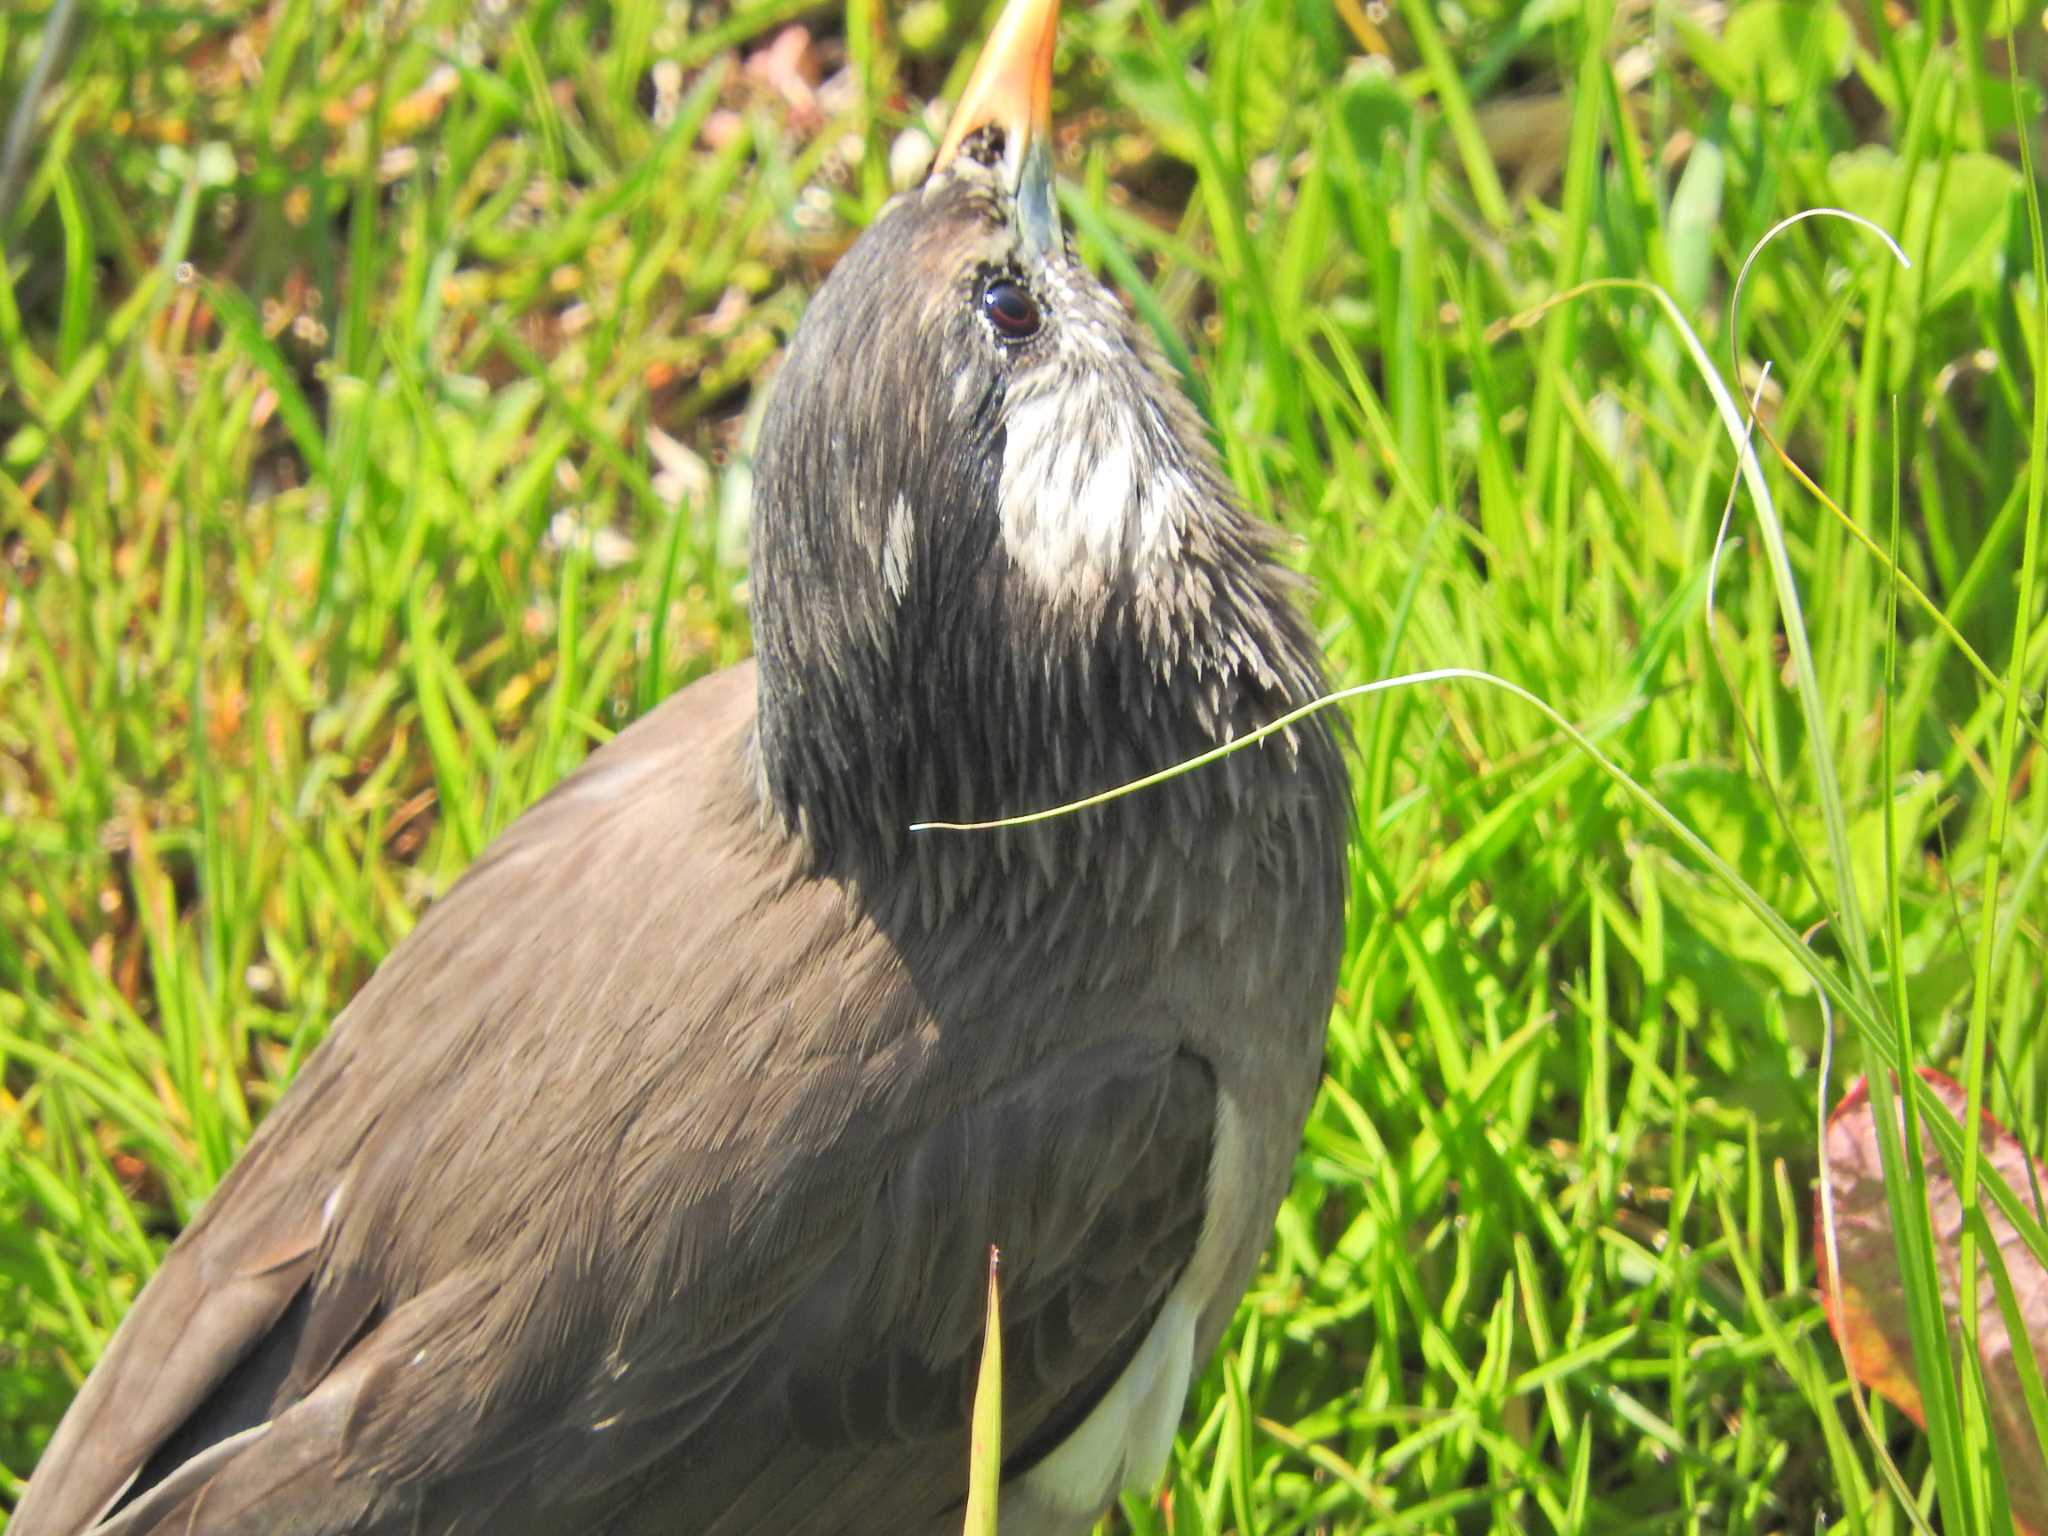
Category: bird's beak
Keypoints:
(1011, 89)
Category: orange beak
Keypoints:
(1011, 87)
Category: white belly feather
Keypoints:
(1124, 1442)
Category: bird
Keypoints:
(646, 1188)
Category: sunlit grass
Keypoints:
(373, 438)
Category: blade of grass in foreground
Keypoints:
(985, 1445)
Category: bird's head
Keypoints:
(994, 560)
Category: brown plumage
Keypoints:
(646, 1187)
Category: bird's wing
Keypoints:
(202, 1314)
(683, 1203)
(840, 1406)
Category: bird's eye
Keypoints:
(1011, 309)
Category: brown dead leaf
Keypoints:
(1866, 1304)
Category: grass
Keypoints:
(374, 438)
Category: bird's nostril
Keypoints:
(986, 145)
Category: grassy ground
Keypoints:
(373, 437)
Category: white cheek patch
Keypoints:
(1080, 506)
(965, 387)
(896, 545)
(1103, 508)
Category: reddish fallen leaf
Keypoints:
(1867, 1308)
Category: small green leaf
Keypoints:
(1696, 211)
(1966, 251)
(1771, 48)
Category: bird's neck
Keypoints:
(1008, 716)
